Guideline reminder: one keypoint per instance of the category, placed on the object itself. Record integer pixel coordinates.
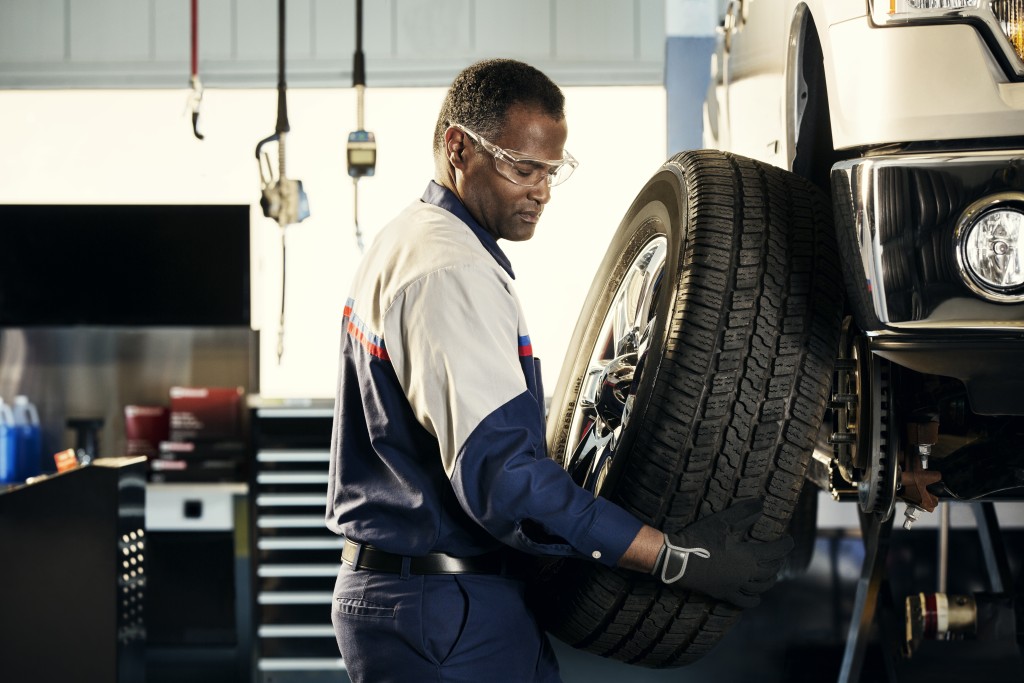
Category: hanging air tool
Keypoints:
(195, 97)
(283, 198)
(361, 150)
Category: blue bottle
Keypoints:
(29, 446)
(8, 446)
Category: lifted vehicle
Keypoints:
(832, 293)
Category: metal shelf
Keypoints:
(296, 558)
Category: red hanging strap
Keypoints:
(196, 96)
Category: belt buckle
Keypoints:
(358, 554)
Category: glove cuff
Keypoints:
(661, 556)
(673, 560)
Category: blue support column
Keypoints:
(689, 44)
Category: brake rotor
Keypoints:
(876, 488)
(864, 437)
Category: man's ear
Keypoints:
(454, 146)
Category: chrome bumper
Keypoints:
(895, 222)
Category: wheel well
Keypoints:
(814, 153)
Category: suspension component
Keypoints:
(915, 477)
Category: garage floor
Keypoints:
(798, 633)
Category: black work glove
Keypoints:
(715, 556)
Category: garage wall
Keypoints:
(120, 146)
(146, 43)
(96, 91)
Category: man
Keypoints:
(438, 454)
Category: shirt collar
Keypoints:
(442, 197)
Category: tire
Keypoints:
(803, 528)
(698, 374)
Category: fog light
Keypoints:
(989, 240)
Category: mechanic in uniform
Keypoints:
(438, 456)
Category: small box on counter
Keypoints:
(206, 413)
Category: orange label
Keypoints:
(66, 460)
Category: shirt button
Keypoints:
(596, 554)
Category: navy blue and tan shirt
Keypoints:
(438, 440)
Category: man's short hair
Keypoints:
(481, 95)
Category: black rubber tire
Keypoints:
(803, 529)
(730, 397)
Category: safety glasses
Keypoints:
(524, 170)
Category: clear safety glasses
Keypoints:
(524, 170)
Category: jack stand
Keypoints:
(989, 640)
(1000, 579)
(876, 533)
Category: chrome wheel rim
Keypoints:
(606, 398)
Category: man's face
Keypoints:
(504, 209)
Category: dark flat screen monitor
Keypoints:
(125, 265)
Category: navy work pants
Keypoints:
(463, 628)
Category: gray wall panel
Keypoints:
(650, 30)
(110, 31)
(434, 29)
(514, 28)
(594, 30)
(217, 39)
(334, 30)
(145, 43)
(31, 31)
(172, 39)
(256, 30)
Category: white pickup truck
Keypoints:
(831, 295)
(910, 114)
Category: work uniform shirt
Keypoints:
(438, 441)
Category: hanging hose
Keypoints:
(282, 129)
(362, 146)
(359, 66)
(359, 83)
(282, 199)
(195, 98)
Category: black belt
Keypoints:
(360, 556)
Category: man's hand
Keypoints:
(715, 556)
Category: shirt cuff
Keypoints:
(611, 534)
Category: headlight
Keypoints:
(989, 241)
(1004, 19)
(1010, 14)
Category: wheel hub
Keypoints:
(608, 390)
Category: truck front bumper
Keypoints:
(896, 224)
